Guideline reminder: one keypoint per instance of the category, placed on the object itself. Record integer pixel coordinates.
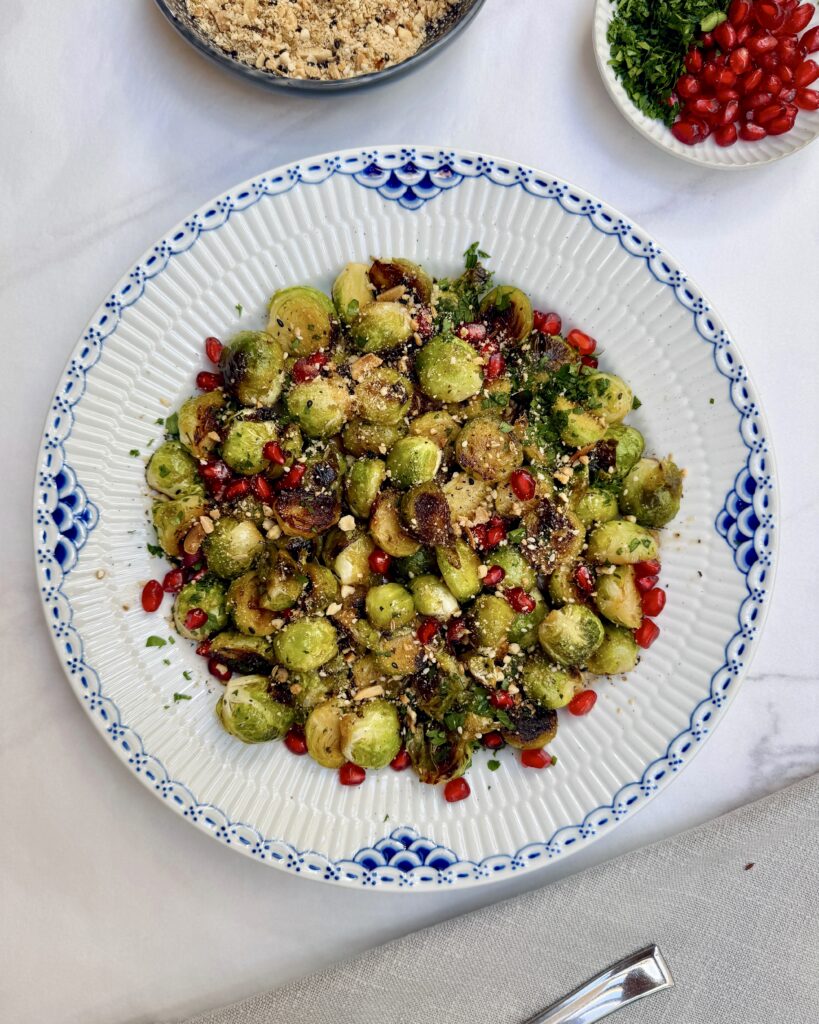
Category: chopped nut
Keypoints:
(364, 365)
(334, 608)
(347, 590)
(392, 294)
(206, 523)
(100, 574)
(346, 523)
(369, 692)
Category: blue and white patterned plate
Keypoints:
(212, 275)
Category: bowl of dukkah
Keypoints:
(319, 45)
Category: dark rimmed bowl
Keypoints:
(176, 13)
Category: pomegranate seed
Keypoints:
(788, 95)
(787, 75)
(725, 36)
(772, 83)
(519, 600)
(779, 125)
(216, 476)
(764, 115)
(693, 60)
(207, 381)
(584, 344)
(293, 477)
(536, 759)
(238, 489)
(710, 72)
(750, 132)
(174, 581)
(738, 12)
(501, 699)
(475, 333)
(455, 790)
(750, 82)
(494, 535)
(455, 631)
(809, 43)
(584, 579)
(582, 703)
(152, 595)
(769, 14)
(351, 774)
(379, 560)
(688, 132)
(730, 112)
(789, 52)
(272, 451)
(707, 39)
(196, 618)
(309, 367)
(213, 349)
(494, 367)
(295, 742)
(646, 633)
(494, 576)
(653, 602)
(487, 348)
(190, 559)
(428, 630)
(807, 99)
(192, 577)
(591, 361)
(798, 19)
(219, 670)
(704, 106)
(523, 484)
(401, 761)
(688, 87)
(770, 62)
(477, 536)
(645, 583)
(261, 488)
(740, 60)
(726, 135)
(203, 649)
(493, 741)
(762, 43)
(651, 567)
(743, 32)
(726, 93)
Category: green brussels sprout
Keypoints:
(425, 512)
(309, 689)
(383, 396)
(509, 311)
(386, 528)
(251, 713)
(207, 595)
(387, 274)
(532, 726)
(549, 685)
(421, 563)
(243, 654)
(618, 652)
(494, 397)
(351, 564)
(621, 542)
(246, 437)
(435, 761)
(371, 734)
(651, 492)
(173, 519)
(432, 598)
(618, 598)
(578, 427)
(459, 567)
(486, 450)
(439, 426)
(198, 422)
(596, 506)
(364, 481)
(524, 629)
(449, 370)
(321, 406)
(306, 644)
(570, 635)
(400, 654)
(554, 536)
(352, 291)
(244, 603)
(283, 581)
(413, 460)
(381, 326)
(172, 471)
(518, 572)
(630, 445)
(322, 588)
(466, 497)
(232, 547)
(562, 588)
(389, 606)
(491, 620)
(611, 396)
(322, 733)
(253, 365)
(302, 320)
(361, 438)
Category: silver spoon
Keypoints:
(629, 979)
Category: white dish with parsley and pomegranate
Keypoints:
(396, 550)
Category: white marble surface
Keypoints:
(113, 909)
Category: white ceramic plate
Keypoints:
(707, 153)
(136, 362)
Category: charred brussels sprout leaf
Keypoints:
(173, 519)
(387, 529)
(531, 727)
(436, 754)
(199, 423)
(387, 274)
(425, 512)
(243, 654)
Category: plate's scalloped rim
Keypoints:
(63, 517)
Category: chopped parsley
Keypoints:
(636, 403)
(473, 254)
(181, 696)
(239, 308)
(155, 550)
(166, 661)
(186, 676)
(155, 641)
(134, 453)
(172, 425)
(493, 765)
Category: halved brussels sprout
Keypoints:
(206, 595)
(509, 312)
(386, 274)
(550, 685)
(173, 519)
(389, 606)
(435, 761)
(198, 422)
(432, 598)
(386, 528)
(486, 448)
(322, 733)
(449, 370)
(618, 652)
(243, 599)
(322, 406)
(439, 426)
(459, 567)
(381, 326)
(312, 508)
(578, 427)
(283, 580)
(425, 512)
(562, 587)
(618, 598)
(172, 471)
(413, 460)
(351, 564)
(524, 628)
(400, 654)
(253, 365)
(651, 493)
(322, 588)
(491, 618)
(249, 711)
(302, 320)
(621, 542)
(371, 734)
(554, 536)
(383, 396)
(243, 654)
(630, 446)
(533, 726)
(596, 506)
(570, 635)
(518, 572)
(306, 644)
(364, 481)
(246, 437)
(466, 497)
(232, 547)
(610, 395)
(352, 291)
(362, 438)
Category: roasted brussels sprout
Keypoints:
(172, 471)
(421, 563)
(425, 512)
(206, 595)
(244, 603)
(630, 445)
(362, 438)
(610, 395)
(312, 508)
(578, 426)
(549, 685)
(386, 527)
(371, 734)
(232, 547)
(243, 654)
(618, 652)
(439, 426)
(322, 406)
(282, 579)
(381, 326)
(302, 320)
(306, 644)
(491, 619)
(562, 586)
(310, 689)
(441, 688)
(618, 598)
(249, 711)
(432, 598)
(570, 635)
(322, 733)
(459, 567)
(198, 421)
(509, 312)
(449, 370)
(413, 460)
(173, 519)
(351, 564)
(517, 571)
(596, 506)
(364, 481)
(486, 448)
(387, 274)
(253, 365)
(621, 542)
(467, 497)
(352, 291)
(651, 493)
(533, 726)
(400, 654)
(322, 588)
(554, 536)
(248, 433)
(383, 396)
(525, 626)
(435, 761)
(389, 606)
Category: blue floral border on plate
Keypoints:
(64, 515)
